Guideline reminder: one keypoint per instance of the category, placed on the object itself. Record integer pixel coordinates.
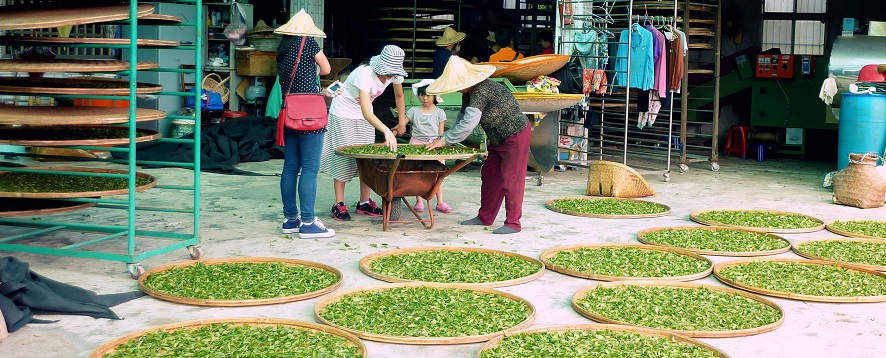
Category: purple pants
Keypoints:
(503, 177)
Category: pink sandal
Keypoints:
(444, 208)
(419, 206)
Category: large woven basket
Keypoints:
(613, 179)
(527, 68)
(859, 184)
(213, 82)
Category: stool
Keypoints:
(737, 141)
(230, 115)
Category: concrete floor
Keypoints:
(241, 217)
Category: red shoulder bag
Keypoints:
(301, 111)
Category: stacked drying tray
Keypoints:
(63, 131)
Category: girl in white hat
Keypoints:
(352, 122)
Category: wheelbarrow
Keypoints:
(396, 176)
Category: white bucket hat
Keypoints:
(301, 24)
(389, 61)
(423, 83)
(458, 75)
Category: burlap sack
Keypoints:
(859, 184)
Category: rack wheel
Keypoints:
(539, 180)
(195, 251)
(667, 176)
(715, 167)
(135, 270)
(684, 168)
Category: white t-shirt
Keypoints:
(347, 105)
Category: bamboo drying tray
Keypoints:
(89, 85)
(608, 216)
(89, 194)
(798, 251)
(603, 327)
(694, 216)
(112, 345)
(831, 228)
(644, 232)
(366, 264)
(238, 303)
(25, 19)
(797, 296)
(77, 115)
(38, 207)
(55, 136)
(527, 68)
(18, 65)
(85, 40)
(547, 254)
(696, 334)
(537, 102)
(422, 340)
(158, 19)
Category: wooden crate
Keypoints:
(256, 63)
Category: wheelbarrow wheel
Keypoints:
(395, 208)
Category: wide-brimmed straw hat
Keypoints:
(301, 24)
(389, 61)
(458, 75)
(261, 27)
(450, 37)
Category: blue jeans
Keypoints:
(300, 166)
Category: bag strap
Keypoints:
(294, 67)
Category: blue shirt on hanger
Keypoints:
(641, 64)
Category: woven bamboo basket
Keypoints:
(644, 232)
(89, 194)
(112, 345)
(527, 68)
(24, 19)
(607, 178)
(859, 184)
(10, 135)
(87, 40)
(605, 327)
(547, 254)
(797, 296)
(366, 264)
(537, 102)
(34, 207)
(796, 248)
(55, 115)
(687, 285)
(608, 216)
(832, 228)
(695, 217)
(213, 82)
(318, 308)
(238, 303)
(86, 85)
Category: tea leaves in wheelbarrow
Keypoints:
(237, 340)
(409, 149)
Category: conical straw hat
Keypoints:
(301, 24)
(261, 27)
(450, 37)
(458, 75)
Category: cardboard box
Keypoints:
(256, 63)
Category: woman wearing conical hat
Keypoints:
(301, 161)
(449, 45)
(492, 106)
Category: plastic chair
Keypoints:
(737, 141)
